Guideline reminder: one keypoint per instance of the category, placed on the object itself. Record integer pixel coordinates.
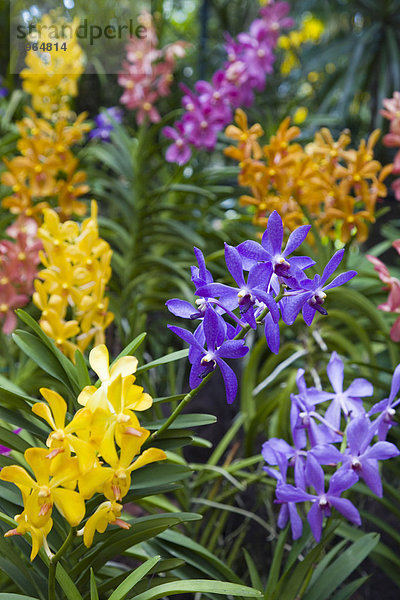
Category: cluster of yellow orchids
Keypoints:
(70, 289)
(51, 76)
(46, 172)
(95, 452)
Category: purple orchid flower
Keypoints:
(270, 250)
(274, 14)
(348, 401)
(303, 416)
(322, 502)
(387, 408)
(309, 295)
(178, 152)
(294, 456)
(204, 361)
(105, 123)
(360, 457)
(288, 510)
(249, 296)
(209, 108)
(200, 276)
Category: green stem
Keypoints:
(193, 392)
(180, 407)
(53, 563)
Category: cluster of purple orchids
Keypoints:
(210, 107)
(105, 123)
(342, 438)
(276, 286)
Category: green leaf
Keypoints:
(183, 422)
(133, 578)
(197, 586)
(254, 576)
(66, 583)
(18, 568)
(181, 546)
(130, 348)
(186, 187)
(324, 563)
(81, 370)
(292, 581)
(94, 595)
(158, 475)
(275, 567)
(167, 398)
(6, 519)
(143, 528)
(331, 577)
(14, 397)
(164, 360)
(28, 423)
(8, 596)
(347, 592)
(11, 440)
(39, 352)
(65, 363)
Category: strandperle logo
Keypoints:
(102, 29)
(84, 31)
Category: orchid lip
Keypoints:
(323, 502)
(209, 363)
(390, 412)
(44, 509)
(305, 419)
(280, 261)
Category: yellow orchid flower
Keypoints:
(113, 413)
(99, 360)
(114, 481)
(118, 483)
(62, 439)
(40, 495)
(60, 331)
(107, 513)
(76, 269)
(52, 88)
(38, 534)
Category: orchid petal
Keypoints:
(58, 406)
(335, 370)
(315, 474)
(332, 265)
(370, 474)
(273, 235)
(341, 279)
(296, 238)
(234, 263)
(252, 253)
(99, 361)
(395, 387)
(272, 334)
(229, 379)
(315, 518)
(70, 504)
(347, 509)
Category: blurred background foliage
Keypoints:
(152, 213)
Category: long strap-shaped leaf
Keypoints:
(223, 588)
